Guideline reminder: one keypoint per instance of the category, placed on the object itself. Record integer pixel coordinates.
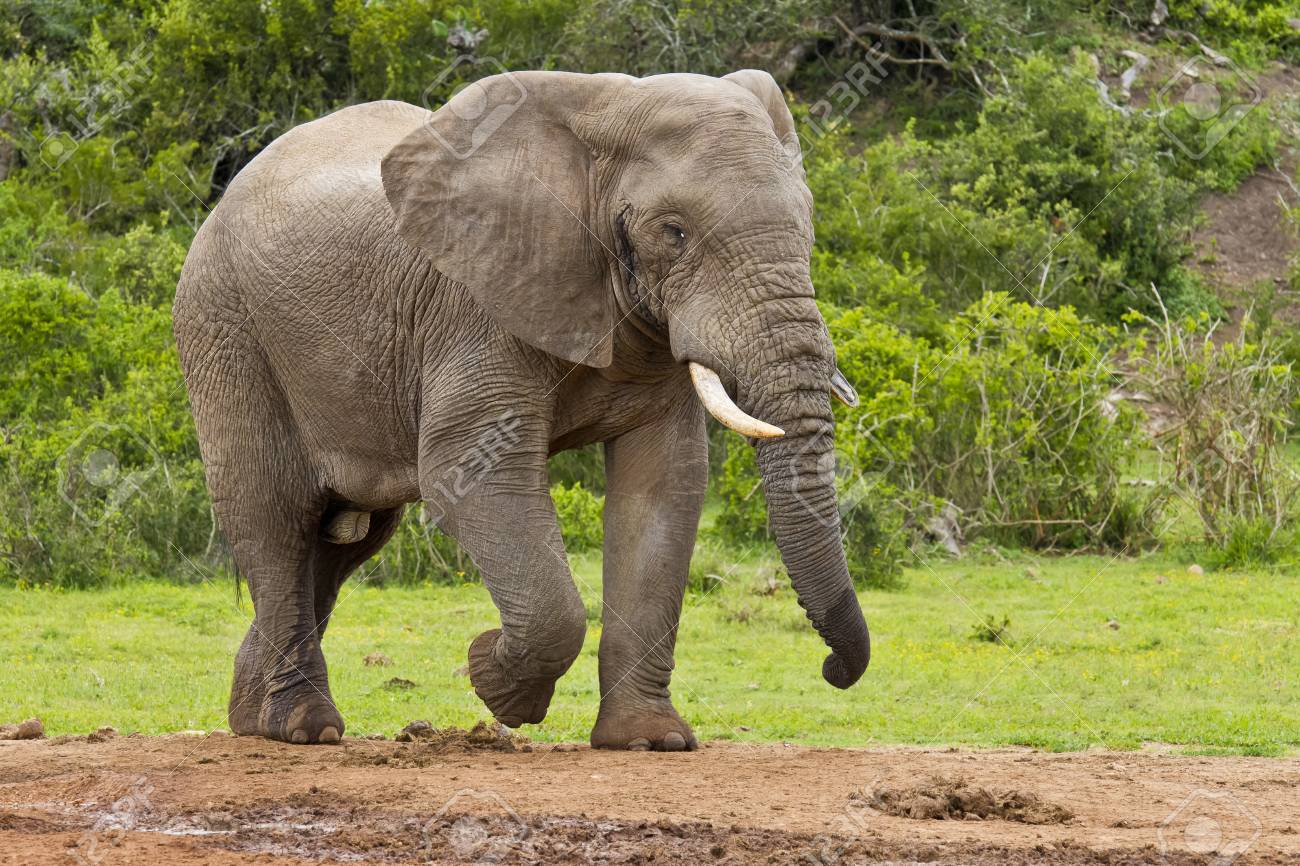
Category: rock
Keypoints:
(192, 733)
(1160, 578)
(1113, 625)
(399, 683)
(377, 660)
(1195, 570)
(564, 747)
(1160, 13)
(1293, 23)
(32, 729)
(416, 730)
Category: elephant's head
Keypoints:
(568, 203)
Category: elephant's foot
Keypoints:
(652, 727)
(249, 689)
(300, 715)
(300, 712)
(513, 700)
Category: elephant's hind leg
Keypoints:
(268, 505)
(281, 685)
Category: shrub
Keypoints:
(1004, 427)
(419, 552)
(1226, 420)
(1025, 440)
(1048, 195)
(581, 515)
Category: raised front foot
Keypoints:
(655, 727)
(512, 700)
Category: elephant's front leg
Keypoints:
(498, 508)
(655, 481)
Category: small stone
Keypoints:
(1113, 625)
(1195, 570)
(564, 747)
(416, 730)
(400, 683)
(192, 733)
(1160, 578)
(377, 660)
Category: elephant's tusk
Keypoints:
(715, 399)
(841, 388)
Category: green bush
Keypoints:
(1002, 172)
(1048, 195)
(581, 515)
(419, 552)
(98, 459)
(1228, 407)
(1004, 427)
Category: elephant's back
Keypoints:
(328, 162)
(300, 260)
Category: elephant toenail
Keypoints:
(674, 742)
(299, 736)
(640, 744)
(329, 734)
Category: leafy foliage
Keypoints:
(1228, 409)
(1003, 428)
(981, 178)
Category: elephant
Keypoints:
(391, 305)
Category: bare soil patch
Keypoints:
(470, 798)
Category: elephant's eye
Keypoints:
(675, 233)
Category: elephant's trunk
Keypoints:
(779, 362)
(799, 483)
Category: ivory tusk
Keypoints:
(715, 399)
(841, 388)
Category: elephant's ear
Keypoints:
(495, 187)
(769, 95)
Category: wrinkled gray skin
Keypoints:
(388, 305)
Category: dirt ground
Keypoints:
(488, 799)
(1246, 238)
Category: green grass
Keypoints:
(1205, 662)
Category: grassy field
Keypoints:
(1098, 651)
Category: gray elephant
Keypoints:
(391, 305)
